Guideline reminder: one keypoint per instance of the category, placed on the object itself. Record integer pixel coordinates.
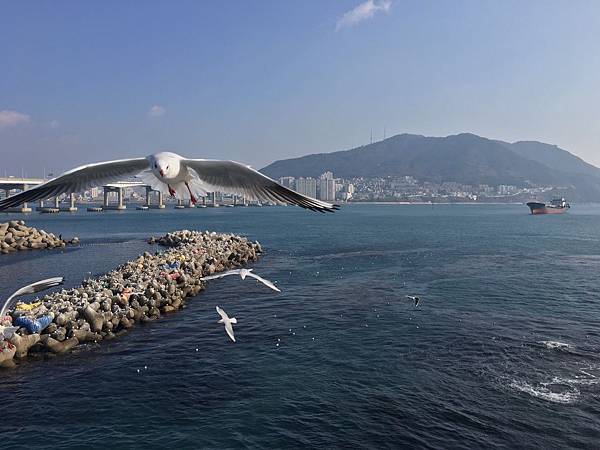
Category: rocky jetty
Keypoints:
(15, 236)
(139, 291)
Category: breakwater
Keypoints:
(137, 291)
(16, 236)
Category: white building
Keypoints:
(307, 186)
(94, 192)
(506, 190)
(288, 182)
(327, 187)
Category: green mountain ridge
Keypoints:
(463, 158)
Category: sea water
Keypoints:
(503, 350)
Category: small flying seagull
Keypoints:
(415, 299)
(243, 273)
(38, 286)
(228, 322)
(176, 175)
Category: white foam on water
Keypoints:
(582, 378)
(555, 344)
(542, 392)
(582, 381)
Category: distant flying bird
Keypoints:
(31, 289)
(172, 173)
(228, 322)
(415, 299)
(243, 273)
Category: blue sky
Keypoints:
(265, 80)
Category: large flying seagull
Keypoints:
(170, 172)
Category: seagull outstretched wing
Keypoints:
(228, 323)
(229, 330)
(79, 179)
(223, 314)
(31, 289)
(265, 282)
(221, 275)
(235, 178)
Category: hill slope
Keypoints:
(464, 158)
(553, 156)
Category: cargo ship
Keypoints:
(556, 206)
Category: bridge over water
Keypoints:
(11, 184)
(154, 198)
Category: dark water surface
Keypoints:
(504, 350)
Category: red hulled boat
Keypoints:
(556, 206)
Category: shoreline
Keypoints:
(435, 203)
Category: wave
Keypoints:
(371, 252)
(567, 397)
(109, 241)
(555, 345)
(582, 381)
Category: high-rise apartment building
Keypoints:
(327, 187)
(307, 186)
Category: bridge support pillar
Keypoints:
(71, 207)
(106, 205)
(25, 207)
(159, 194)
(120, 199)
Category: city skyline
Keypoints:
(410, 189)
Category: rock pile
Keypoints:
(15, 235)
(138, 291)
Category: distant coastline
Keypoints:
(432, 203)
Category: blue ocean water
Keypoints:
(503, 351)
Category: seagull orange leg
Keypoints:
(192, 198)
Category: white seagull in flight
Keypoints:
(172, 173)
(228, 322)
(38, 286)
(415, 299)
(243, 273)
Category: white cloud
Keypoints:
(54, 124)
(362, 12)
(9, 119)
(157, 111)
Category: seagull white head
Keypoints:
(165, 165)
